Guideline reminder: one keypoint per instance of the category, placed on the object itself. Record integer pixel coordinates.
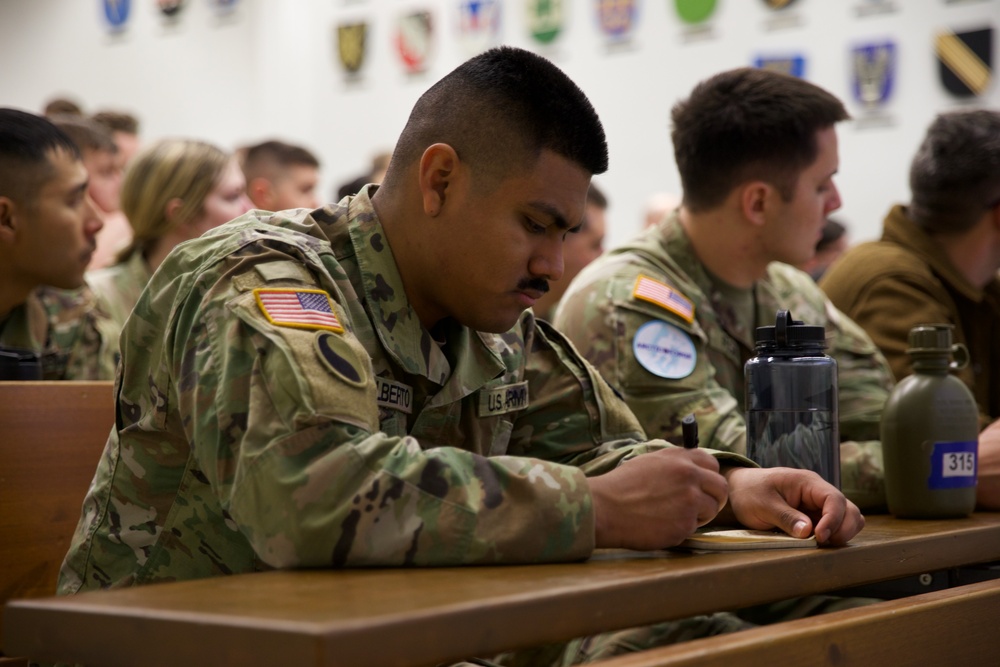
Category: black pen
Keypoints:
(689, 429)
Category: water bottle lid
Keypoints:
(787, 332)
(930, 337)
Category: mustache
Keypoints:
(539, 284)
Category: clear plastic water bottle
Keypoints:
(930, 432)
(791, 399)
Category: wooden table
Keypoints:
(426, 616)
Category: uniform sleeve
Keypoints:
(578, 418)
(285, 427)
(602, 322)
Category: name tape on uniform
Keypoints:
(394, 395)
(504, 399)
(298, 308)
(664, 296)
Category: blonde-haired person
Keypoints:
(174, 190)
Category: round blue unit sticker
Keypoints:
(664, 350)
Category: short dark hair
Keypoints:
(87, 134)
(501, 109)
(26, 144)
(596, 196)
(61, 105)
(746, 124)
(264, 158)
(117, 121)
(955, 174)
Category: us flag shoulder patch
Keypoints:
(656, 292)
(298, 308)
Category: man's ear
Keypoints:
(261, 193)
(755, 197)
(8, 220)
(436, 172)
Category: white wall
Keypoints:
(270, 69)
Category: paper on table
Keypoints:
(738, 539)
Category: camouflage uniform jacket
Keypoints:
(904, 279)
(117, 288)
(250, 436)
(63, 328)
(602, 314)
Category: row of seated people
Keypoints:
(295, 390)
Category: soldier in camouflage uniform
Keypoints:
(47, 228)
(670, 318)
(363, 385)
(175, 190)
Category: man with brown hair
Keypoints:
(124, 128)
(670, 318)
(280, 176)
(47, 227)
(937, 262)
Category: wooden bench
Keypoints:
(51, 438)
(342, 618)
(949, 627)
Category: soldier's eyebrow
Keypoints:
(78, 189)
(558, 219)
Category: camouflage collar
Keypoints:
(396, 323)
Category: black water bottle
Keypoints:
(791, 399)
(18, 364)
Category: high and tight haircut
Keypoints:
(87, 134)
(955, 175)
(499, 111)
(118, 121)
(748, 124)
(27, 143)
(268, 158)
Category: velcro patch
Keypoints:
(664, 296)
(503, 399)
(337, 355)
(298, 308)
(393, 395)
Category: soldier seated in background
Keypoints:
(280, 176)
(937, 262)
(670, 319)
(47, 227)
(365, 384)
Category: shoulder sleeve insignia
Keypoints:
(653, 291)
(298, 308)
